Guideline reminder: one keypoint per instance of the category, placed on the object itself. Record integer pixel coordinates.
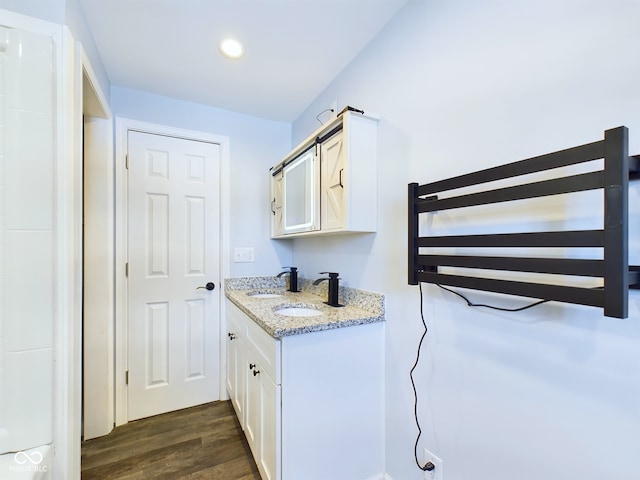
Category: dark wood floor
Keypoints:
(204, 442)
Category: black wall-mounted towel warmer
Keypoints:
(613, 268)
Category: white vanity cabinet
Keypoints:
(343, 194)
(253, 367)
(313, 403)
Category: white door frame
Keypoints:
(123, 125)
(98, 255)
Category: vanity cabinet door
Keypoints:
(333, 178)
(236, 374)
(263, 419)
(253, 400)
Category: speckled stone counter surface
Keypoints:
(360, 307)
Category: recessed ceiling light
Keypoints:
(231, 48)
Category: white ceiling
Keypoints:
(293, 48)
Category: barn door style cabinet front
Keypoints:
(277, 214)
(328, 184)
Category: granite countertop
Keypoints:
(361, 307)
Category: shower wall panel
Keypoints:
(26, 239)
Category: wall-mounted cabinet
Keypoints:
(328, 184)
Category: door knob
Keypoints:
(208, 286)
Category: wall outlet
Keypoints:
(436, 473)
(243, 254)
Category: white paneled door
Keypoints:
(173, 253)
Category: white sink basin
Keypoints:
(264, 295)
(299, 312)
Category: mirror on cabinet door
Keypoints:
(300, 192)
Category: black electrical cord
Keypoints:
(323, 111)
(428, 466)
(502, 309)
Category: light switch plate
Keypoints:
(243, 254)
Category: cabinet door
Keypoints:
(300, 193)
(252, 406)
(263, 420)
(333, 180)
(236, 374)
(277, 223)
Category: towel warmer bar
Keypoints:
(612, 268)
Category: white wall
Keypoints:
(50, 10)
(461, 85)
(255, 145)
(77, 23)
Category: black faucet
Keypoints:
(293, 278)
(332, 297)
